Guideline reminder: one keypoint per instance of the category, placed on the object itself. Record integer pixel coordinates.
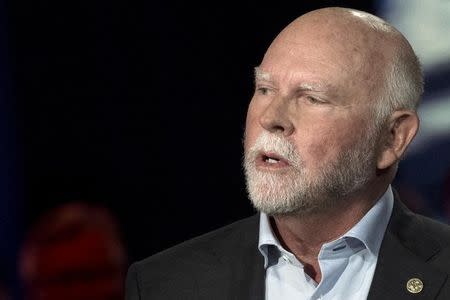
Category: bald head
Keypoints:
(370, 52)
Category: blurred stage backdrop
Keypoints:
(121, 127)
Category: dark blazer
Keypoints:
(226, 263)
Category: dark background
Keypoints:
(140, 106)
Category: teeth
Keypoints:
(272, 161)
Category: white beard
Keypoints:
(297, 189)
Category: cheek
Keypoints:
(323, 143)
(252, 128)
(318, 148)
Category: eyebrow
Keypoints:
(261, 75)
(308, 87)
(313, 87)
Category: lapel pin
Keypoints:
(414, 285)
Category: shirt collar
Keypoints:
(369, 230)
(266, 238)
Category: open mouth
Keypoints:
(271, 160)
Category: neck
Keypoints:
(304, 234)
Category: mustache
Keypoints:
(273, 143)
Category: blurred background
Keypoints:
(121, 127)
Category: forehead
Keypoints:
(308, 60)
(343, 54)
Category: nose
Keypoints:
(275, 118)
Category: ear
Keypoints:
(402, 128)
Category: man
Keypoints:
(334, 110)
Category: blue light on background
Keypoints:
(424, 175)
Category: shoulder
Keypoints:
(208, 244)
(427, 237)
(436, 233)
(209, 253)
(438, 229)
(414, 228)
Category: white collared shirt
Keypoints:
(347, 263)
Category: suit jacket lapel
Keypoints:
(249, 269)
(241, 266)
(251, 276)
(404, 253)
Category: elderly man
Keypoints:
(334, 110)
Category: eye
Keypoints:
(314, 100)
(262, 90)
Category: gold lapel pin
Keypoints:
(414, 285)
